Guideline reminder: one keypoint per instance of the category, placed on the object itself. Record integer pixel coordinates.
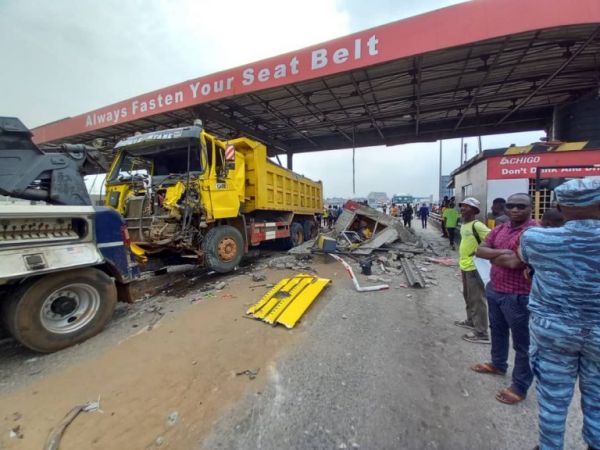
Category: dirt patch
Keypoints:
(164, 387)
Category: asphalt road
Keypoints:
(383, 370)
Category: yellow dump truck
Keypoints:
(184, 192)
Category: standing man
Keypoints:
(498, 214)
(472, 232)
(407, 215)
(424, 214)
(565, 312)
(443, 207)
(449, 223)
(330, 218)
(507, 296)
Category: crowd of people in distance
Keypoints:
(330, 216)
(408, 211)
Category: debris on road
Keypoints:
(354, 280)
(413, 275)
(172, 418)
(251, 373)
(292, 261)
(288, 300)
(443, 260)
(258, 277)
(56, 434)
(16, 433)
(220, 285)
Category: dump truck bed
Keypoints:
(271, 187)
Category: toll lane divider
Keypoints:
(288, 300)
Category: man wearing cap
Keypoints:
(507, 296)
(472, 232)
(565, 312)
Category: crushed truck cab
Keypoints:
(184, 192)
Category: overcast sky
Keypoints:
(66, 57)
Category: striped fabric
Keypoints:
(558, 354)
(579, 192)
(565, 325)
(566, 260)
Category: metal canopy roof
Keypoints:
(507, 83)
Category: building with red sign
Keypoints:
(535, 169)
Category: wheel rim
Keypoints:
(70, 308)
(227, 249)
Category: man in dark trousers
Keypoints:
(450, 222)
(507, 296)
(407, 215)
(423, 215)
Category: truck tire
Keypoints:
(223, 248)
(310, 229)
(61, 309)
(296, 234)
(296, 237)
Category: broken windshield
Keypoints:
(157, 161)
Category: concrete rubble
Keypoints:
(392, 254)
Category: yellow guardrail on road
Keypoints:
(289, 299)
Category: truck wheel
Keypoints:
(296, 237)
(296, 234)
(310, 229)
(61, 309)
(223, 248)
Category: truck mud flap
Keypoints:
(287, 302)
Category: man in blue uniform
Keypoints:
(565, 312)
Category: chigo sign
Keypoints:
(526, 166)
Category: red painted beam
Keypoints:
(466, 23)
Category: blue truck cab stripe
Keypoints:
(110, 242)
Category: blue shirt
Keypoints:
(566, 260)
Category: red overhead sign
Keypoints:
(456, 25)
(526, 165)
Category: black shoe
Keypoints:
(464, 324)
(477, 338)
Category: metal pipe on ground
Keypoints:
(379, 287)
(413, 275)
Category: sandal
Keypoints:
(509, 397)
(488, 368)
